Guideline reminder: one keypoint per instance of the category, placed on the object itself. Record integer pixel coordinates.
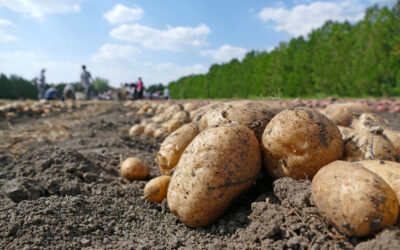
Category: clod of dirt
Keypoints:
(21, 188)
(293, 193)
(387, 239)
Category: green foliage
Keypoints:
(156, 87)
(101, 85)
(338, 59)
(15, 87)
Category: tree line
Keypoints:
(337, 59)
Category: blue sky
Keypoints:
(157, 40)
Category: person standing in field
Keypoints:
(86, 81)
(41, 84)
(139, 88)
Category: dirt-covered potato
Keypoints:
(160, 133)
(150, 128)
(197, 114)
(172, 125)
(368, 145)
(137, 129)
(156, 189)
(133, 168)
(218, 165)
(365, 139)
(173, 146)
(298, 142)
(253, 114)
(355, 200)
(387, 170)
(342, 113)
(189, 106)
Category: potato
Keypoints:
(182, 116)
(150, 128)
(218, 165)
(172, 125)
(173, 146)
(197, 114)
(253, 114)
(133, 168)
(394, 138)
(368, 145)
(355, 200)
(298, 142)
(189, 106)
(342, 113)
(160, 133)
(156, 189)
(387, 170)
(137, 129)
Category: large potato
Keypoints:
(342, 113)
(173, 146)
(355, 200)
(298, 142)
(387, 170)
(253, 114)
(218, 165)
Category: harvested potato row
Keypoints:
(218, 165)
(298, 142)
(173, 146)
(355, 200)
(342, 113)
(156, 189)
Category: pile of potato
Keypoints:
(213, 153)
(37, 108)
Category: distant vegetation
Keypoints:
(338, 59)
(15, 87)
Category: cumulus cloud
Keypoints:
(123, 14)
(4, 36)
(172, 39)
(114, 51)
(38, 8)
(303, 18)
(225, 53)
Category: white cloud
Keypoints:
(4, 36)
(38, 8)
(123, 14)
(302, 19)
(172, 39)
(114, 51)
(225, 53)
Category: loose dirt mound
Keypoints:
(68, 194)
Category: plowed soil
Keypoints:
(67, 194)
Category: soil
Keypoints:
(67, 194)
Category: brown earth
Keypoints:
(64, 192)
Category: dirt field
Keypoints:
(61, 189)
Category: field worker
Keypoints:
(51, 93)
(69, 92)
(41, 84)
(86, 81)
(139, 88)
(166, 94)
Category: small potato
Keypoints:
(133, 168)
(156, 189)
(149, 129)
(342, 113)
(355, 200)
(137, 129)
(160, 133)
(173, 146)
(298, 142)
(172, 125)
(217, 166)
(183, 116)
(387, 170)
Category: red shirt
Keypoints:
(139, 85)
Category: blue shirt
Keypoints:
(50, 94)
